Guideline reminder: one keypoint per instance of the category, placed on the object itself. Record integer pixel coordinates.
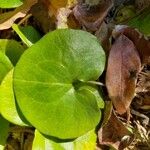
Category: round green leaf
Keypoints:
(7, 101)
(49, 83)
(10, 3)
(5, 66)
(12, 49)
(85, 142)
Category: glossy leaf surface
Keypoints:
(48, 83)
(7, 101)
(5, 65)
(85, 142)
(10, 3)
(12, 49)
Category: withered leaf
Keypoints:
(51, 14)
(91, 17)
(114, 133)
(141, 42)
(122, 70)
(44, 20)
(7, 19)
(103, 35)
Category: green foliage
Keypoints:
(85, 142)
(27, 34)
(142, 22)
(5, 65)
(4, 129)
(7, 101)
(52, 87)
(10, 3)
(12, 49)
(50, 83)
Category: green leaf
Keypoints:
(10, 3)
(48, 83)
(12, 49)
(4, 129)
(7, 101)
(85, 142)
(27, 34)
(5, 66)
(142, 22)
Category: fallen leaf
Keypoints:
(53, 14)
(7, 19)
(44, 19)
(72, 22)
(104, 34)
(91, 17)
(122, 70)
(141, 42)
(58, 3)
(113, 132)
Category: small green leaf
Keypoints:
(142, 22)
(10, 3)
(85, 142)
(7, 101)
(27, 34)
(12, 49)
(4, 129)
(5, 65)
(48, 83)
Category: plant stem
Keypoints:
(94, 83)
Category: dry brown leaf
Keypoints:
(91, 17)
(141, 42)
(122, 70)
(114, 133)
(104, 34)
(72, 22)
(41, 14)
(52, 13)
(7, 19)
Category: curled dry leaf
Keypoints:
(7, 19)
(141, 42)
(91, 17)
(113, 132)
(122, 70)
